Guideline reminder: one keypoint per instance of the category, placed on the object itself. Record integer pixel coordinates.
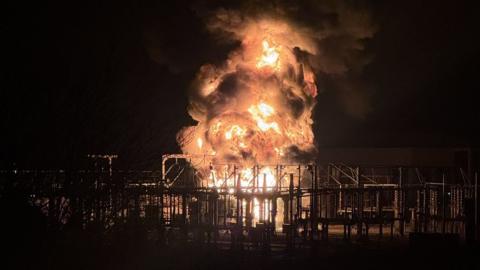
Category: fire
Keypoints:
(199, 143)
(269, 181)
(265, 109)
(249, 180)
(236, 131)
(269, 57)
(247, 116)
(260, 114)
(253, 110)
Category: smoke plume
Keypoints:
(256, 107)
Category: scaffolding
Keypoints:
(308, 202)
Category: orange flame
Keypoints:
(260, 113)
(270, 56)
(253, 110)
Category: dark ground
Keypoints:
(85, 251)
(27, 243)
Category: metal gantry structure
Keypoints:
(308, 203)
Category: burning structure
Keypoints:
(292, 205)
(253, 112)
(251, 159)
(256, 108)
(249, 172)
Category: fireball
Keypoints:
(254, 110)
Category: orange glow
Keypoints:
(251, 180)
(234, 131)
(263, 181)
(260, 113)
(265, 109)
(270, 56)
(252, 110)
(199, 143)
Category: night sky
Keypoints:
(113, 77)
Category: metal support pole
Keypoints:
(290, 200)
(401, 205)
(444, 210)
(475, 223)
